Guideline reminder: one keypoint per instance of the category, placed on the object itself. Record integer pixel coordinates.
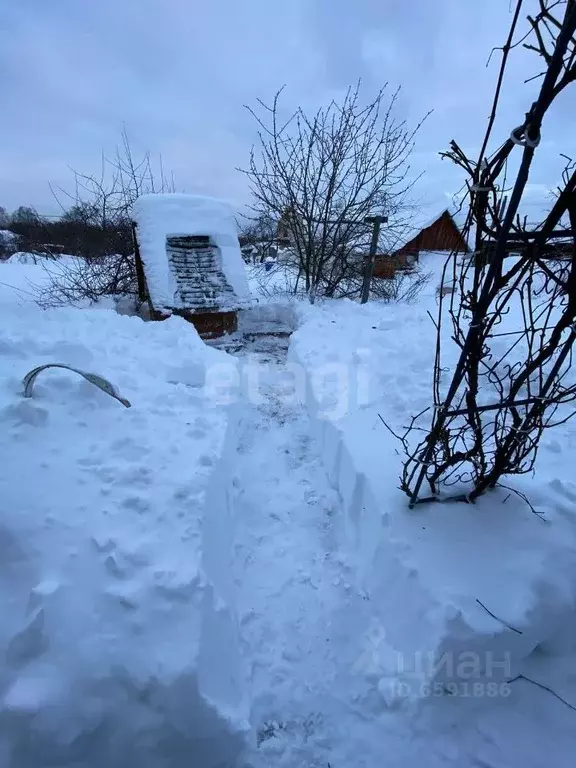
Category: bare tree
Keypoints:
(403, 287)
(513, 319)
(24, 214)
(108, 196)
(322, 175)
(100, 217)
(8, 240)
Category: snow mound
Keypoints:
(159, 216)
(117, 646)
(462, 592)
(27, 282)
(18, 283)
(22, 257)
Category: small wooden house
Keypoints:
(188, 261)
(441, 233)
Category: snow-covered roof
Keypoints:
(207, 277)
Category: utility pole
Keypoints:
(376, 222)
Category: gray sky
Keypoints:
(176, 74)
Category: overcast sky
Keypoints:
(177, 73)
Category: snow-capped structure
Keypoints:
(189, 261)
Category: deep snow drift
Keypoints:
(327, 684)
(117, 645)
(119, 593)
(448, 560)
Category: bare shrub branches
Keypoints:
(98, 213)
(513, 318)
(323, 174)
(108, 196)
(285, 280)
(75, 282)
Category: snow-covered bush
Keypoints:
(8, 244)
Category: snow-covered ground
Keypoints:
(274, 284)
(327, 688)
(25, 277)
(18, 282)
(142, 547)
(118, 645)
(464, 599)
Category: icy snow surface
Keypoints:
(167, 215)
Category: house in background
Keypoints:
(284, 236)
(441, 233)
(270, 242)
(188, 261)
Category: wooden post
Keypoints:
(139, 268)
(376, 222)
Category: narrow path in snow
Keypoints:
(284, 508)
(305, 628)
(300, 618)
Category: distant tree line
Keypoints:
(80, 231)
(95, 225)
